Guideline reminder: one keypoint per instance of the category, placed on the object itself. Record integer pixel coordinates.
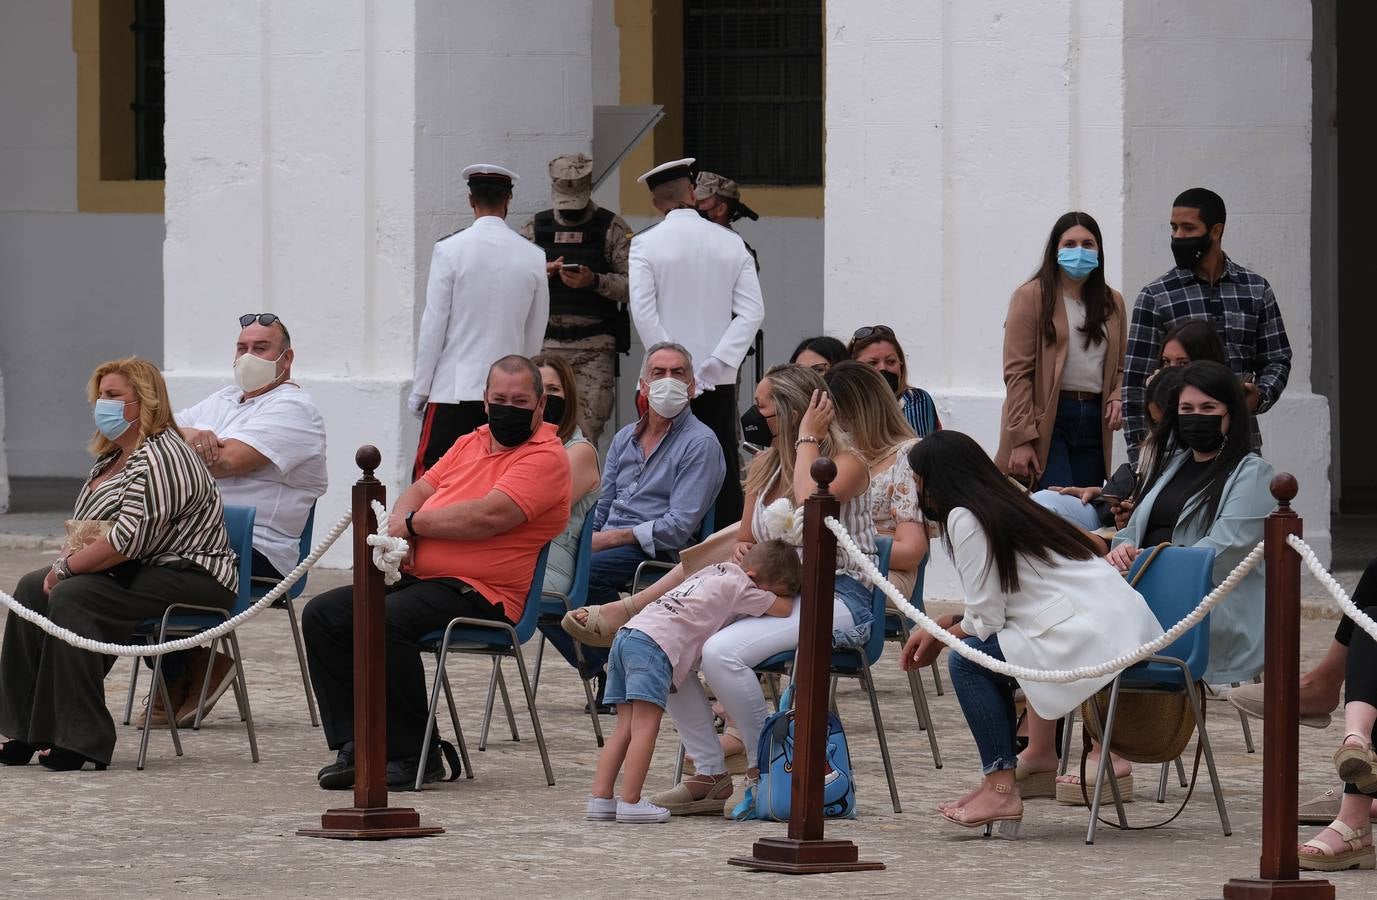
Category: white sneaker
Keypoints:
(643, 812)
(601, 809)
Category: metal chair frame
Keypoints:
(261, 586)
(705, 529)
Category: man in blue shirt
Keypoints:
(661, 477)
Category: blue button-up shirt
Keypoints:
(663, 497)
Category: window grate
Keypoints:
(753, 89)
(150, 164)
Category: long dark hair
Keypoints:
(1160, 443)
(1099, 302)
(1199, 339)
(953, 471)
(829, 348)
(1218, 382)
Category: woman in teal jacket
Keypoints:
(1214, 492)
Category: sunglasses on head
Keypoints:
(264, 319)
(866, 331)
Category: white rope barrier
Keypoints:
(388, 552)
(1052, 676)
(1336, 590)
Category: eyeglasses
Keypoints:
(264, 319)
(866, 331)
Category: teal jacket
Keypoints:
(1236, 624)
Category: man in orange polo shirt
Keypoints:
(476, 522)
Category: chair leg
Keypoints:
(487, 707)
(158, 686)
(679, 765)
(1181, 772)
(937, 678)
(1069, 723)
(1209, 761)
(1162, 783)
(506, 699)
(540, 658)
(241, 691)
(535, 717)
(129, 700)
(773, 684)
(454, 719)
(588, 692)
(1247, 729)
(205, 689)
(1105, 765)
(920, 708)
(869, 684)
(301, 661)
(430, 720)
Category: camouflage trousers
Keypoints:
(593, 359)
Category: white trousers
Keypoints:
(728, 658)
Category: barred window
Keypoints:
(149, 161)
(753, 89)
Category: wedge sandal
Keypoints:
(1357, 764)
(1070, 792)
(1355, 855)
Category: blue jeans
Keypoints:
(637, 669)
(1069, 508)
(1076, 458)
(987, 701)
(610, 573)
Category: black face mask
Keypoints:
(755, 428)
(554, 409)
(892, 378)
(1188, 251)
(510, 425)
(1200, 432)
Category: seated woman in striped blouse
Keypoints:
(157, 535)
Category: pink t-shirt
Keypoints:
(685, 617)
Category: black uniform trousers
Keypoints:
(717, 410)
(415, 607)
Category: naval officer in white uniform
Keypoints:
(694, 282)
(488, 297)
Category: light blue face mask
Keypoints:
(1078, 262)
(109, 416)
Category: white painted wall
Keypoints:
(962, 130)
(4, 465)
(76, 289)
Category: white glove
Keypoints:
(712, 373)
(417, 404)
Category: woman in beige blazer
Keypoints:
(1064, 342)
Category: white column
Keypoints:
(290, 142)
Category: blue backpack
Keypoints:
(770, 799)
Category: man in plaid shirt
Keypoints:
(1206, 284)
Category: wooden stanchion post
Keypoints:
(805, 851)
(1278, 870)
(370, 818)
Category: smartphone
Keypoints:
(570, 267)
(1109, 498)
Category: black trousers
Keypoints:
(414, 607)
(51, 693)
(717, 410)
(1360, 684)
(443, 424)
(1364, 595)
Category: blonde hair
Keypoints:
(570, 420)
(867, 411)
(155, 407)
(791, 387)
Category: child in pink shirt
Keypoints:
(657, 650)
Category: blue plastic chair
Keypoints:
(897, 631)
(657, 569)
(185, 620)
(856, 664)
(494, 639)
(1173, 585)
(262, 585)
(554, 606)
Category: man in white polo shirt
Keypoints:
(693, 282)
(264, 441)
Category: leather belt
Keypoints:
(1083, 396)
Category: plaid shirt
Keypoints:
(1242, 309)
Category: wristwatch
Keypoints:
(411, 529)
(62, 569)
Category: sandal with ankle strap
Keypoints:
(1355, 855)
(1009, 824)
(1356, 763)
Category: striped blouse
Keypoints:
(854, 516)
(164, 507)
(920, 411)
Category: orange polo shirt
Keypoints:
(535, 476)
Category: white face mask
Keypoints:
(253, 373)
(667, 396)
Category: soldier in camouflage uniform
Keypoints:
(589, 324)
(719, 198)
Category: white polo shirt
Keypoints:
(285, 426)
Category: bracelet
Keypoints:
(411, 529)
(807, 439)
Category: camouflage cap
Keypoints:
(710, 183)
(571, 179)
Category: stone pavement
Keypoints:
(214, 824)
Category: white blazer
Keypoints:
(488, 297)
(1072, 613)
(693, 282)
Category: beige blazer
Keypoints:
(1032, 373)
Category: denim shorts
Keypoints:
(637, 669)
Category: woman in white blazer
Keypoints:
(1037, 595)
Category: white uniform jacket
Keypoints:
(693, 282)
(1073, 613)
(488, 297)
